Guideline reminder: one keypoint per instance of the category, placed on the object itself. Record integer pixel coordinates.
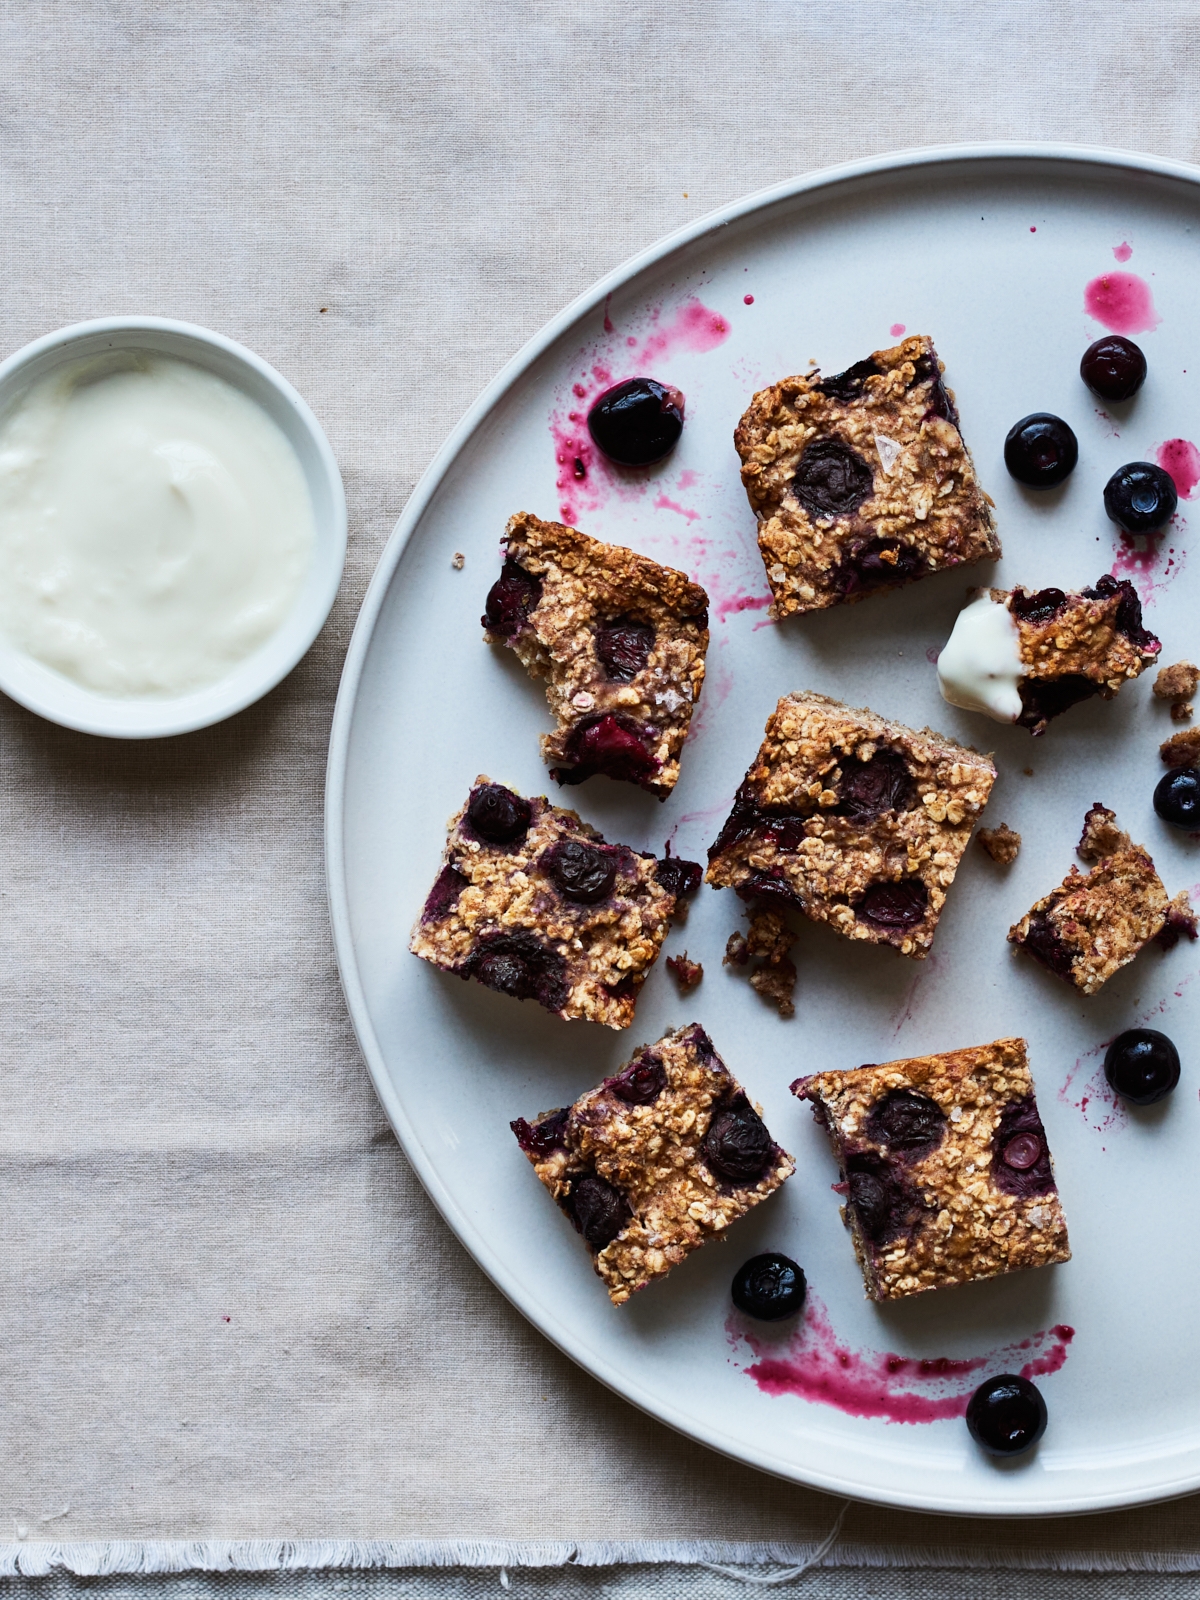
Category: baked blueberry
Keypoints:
(1113, 368)
(1140, 497)
(1177, 797)
(1142, 1065)
(624, 647)
(832, 480)
(1006, 1415)
(497, 814)
(612, 744)
(737, 1144)
(894, 905)
(907, 1123)
(582, 873)
(599, 1210)
(679, 877)
(638, 422)
(641, 1083)
(769, 1287)
(510, 600)
(1041, 450)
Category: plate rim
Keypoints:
(824, 178)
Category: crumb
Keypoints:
(686, 973)
(775, 982)
(770, 937)
(737, 951)
(459, 561)
(1001, 843)
(1181, 711)
(1028, 771)
(1181, 749)
(1178, 682)
(1181, 920)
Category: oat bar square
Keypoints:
(856, 821)
(1095, 923)
(656, 1161)
(533, 903)
(861, 481)
(944, 1165)
(620, 640)
(1026, 657)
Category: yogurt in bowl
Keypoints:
(172, 527)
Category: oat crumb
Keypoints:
(737, 951)
(1178, 682)
(1181, 749)
(769, 937)
(459, 561)
(1002, 843)
(686, 973)
(776, 983)
(1181, 711)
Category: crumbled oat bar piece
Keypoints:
(861, 481)
(737, 950)
(775, 982)
(620, 641)
(945, 1167)
(686, 973)
(769, 937)
(1026, 657)
(854, 820)
(657, 1160)
(1181, 749)
(1181, 710)
(1094, 923)
(532, 902)
(1177, 682)
(1003, 844)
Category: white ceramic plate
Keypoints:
(989, 250)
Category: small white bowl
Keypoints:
(51, 694)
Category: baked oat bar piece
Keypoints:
(1094, 923)
(856, 821)
(657, 1160)
(620, 641)
(861, 481)
(945, 1168)
(1026, 657)
(534, 903)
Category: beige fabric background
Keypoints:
(226, 1307)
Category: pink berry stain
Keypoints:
(1150, 560)
(897, 330)
(1123, 251)
(584, 479)
(1181, 460)
(814, 1364)
(1121, 302)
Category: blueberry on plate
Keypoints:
(1140, 497)
(1142, 1065)
(769, 1287)
(1113, 368)
(1041, 451)
(637, 422)
(1177, 797)
(1006, 1415)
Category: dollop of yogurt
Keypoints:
(155, 524)
(980, 667)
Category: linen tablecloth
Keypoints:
(227, 1310)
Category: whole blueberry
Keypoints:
(1142, 1065)
(737, 1144)
(581, 872)
(637, 423)
(1113, 368)
(1140, 497)
(1177, 797)
(497, 814)
(1006, 1415)
(769, 1287)
(1041, 450)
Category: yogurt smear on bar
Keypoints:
(156, 525)
(980, 667)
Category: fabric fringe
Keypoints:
(38, 1558)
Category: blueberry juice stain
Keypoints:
(813, 1364)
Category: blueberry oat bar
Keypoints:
(1026, 657)
(657, 1160)
(944, 1165)
(861, 481)
(620, 641)
(1095, 923)
(856, 821)
(532, 902)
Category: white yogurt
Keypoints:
(980, 667)
(155, 524)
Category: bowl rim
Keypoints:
(133, 717)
